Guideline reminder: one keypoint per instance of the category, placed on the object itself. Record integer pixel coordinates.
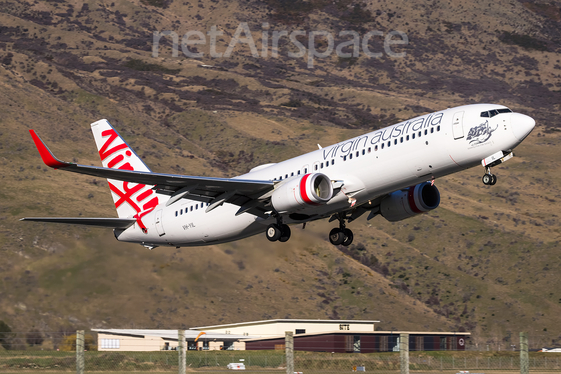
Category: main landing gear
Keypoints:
(278, 231)
(341, 235)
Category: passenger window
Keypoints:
(357, 153)
(298, 172)
(426, 132)
(401, 140)
(344, 158)
(375, 148)
(191, 208)
(431, 130)
(286, 175)
(196, 206)
(315, 167)
(350, 156)
(389, 144)
(181, 211)
(369, 150)
(395, 142)
(305, 170)
(333, 162)
(176, 213)
(420, 134)
(292, 174)
(382, 147)
(321, 165)
(407, 138)
(438, 128)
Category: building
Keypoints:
(276, 327)
(364, 341)
(161, 340)
(345, 336)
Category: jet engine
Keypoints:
(409, 202)
(302, 192)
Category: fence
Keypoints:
(57, 353)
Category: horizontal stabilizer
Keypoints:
(116, 223)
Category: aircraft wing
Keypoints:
(242, 192)
(116, 223)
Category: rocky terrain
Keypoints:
(486, 261)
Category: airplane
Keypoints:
(388, 172)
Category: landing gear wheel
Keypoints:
(285, 233)
(489, 179)
(348, 237)
(336, 236)
(274, 232)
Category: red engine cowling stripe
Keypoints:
(303, 192)
(411, 199)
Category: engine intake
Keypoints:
(407, 203)
(301, 193)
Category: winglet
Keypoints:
(48, 158)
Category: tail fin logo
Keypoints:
(141, 198)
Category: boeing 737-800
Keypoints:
(388, 172)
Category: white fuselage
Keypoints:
(368, 166)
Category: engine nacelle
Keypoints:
(410, 202)
(301, 193)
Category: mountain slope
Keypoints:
(486, 261)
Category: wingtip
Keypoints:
(48, 158)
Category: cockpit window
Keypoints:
(494, 112)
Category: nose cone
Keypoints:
(521, 125)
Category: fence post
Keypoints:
(80, 352)
(181, 351)
(289, 348)
(524, 357)
(404, 353)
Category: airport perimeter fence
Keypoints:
(56, 352)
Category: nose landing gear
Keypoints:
(489, 179)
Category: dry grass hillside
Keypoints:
(486, 261)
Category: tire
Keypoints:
(336, 236)
(273, 232)
(285, 233)
(348, 237)
(486, 179)
(493, 180)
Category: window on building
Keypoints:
(356, 344)
(110, 343)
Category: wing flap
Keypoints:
(115, 223)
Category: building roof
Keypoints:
(270, 321)
(171, 334)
